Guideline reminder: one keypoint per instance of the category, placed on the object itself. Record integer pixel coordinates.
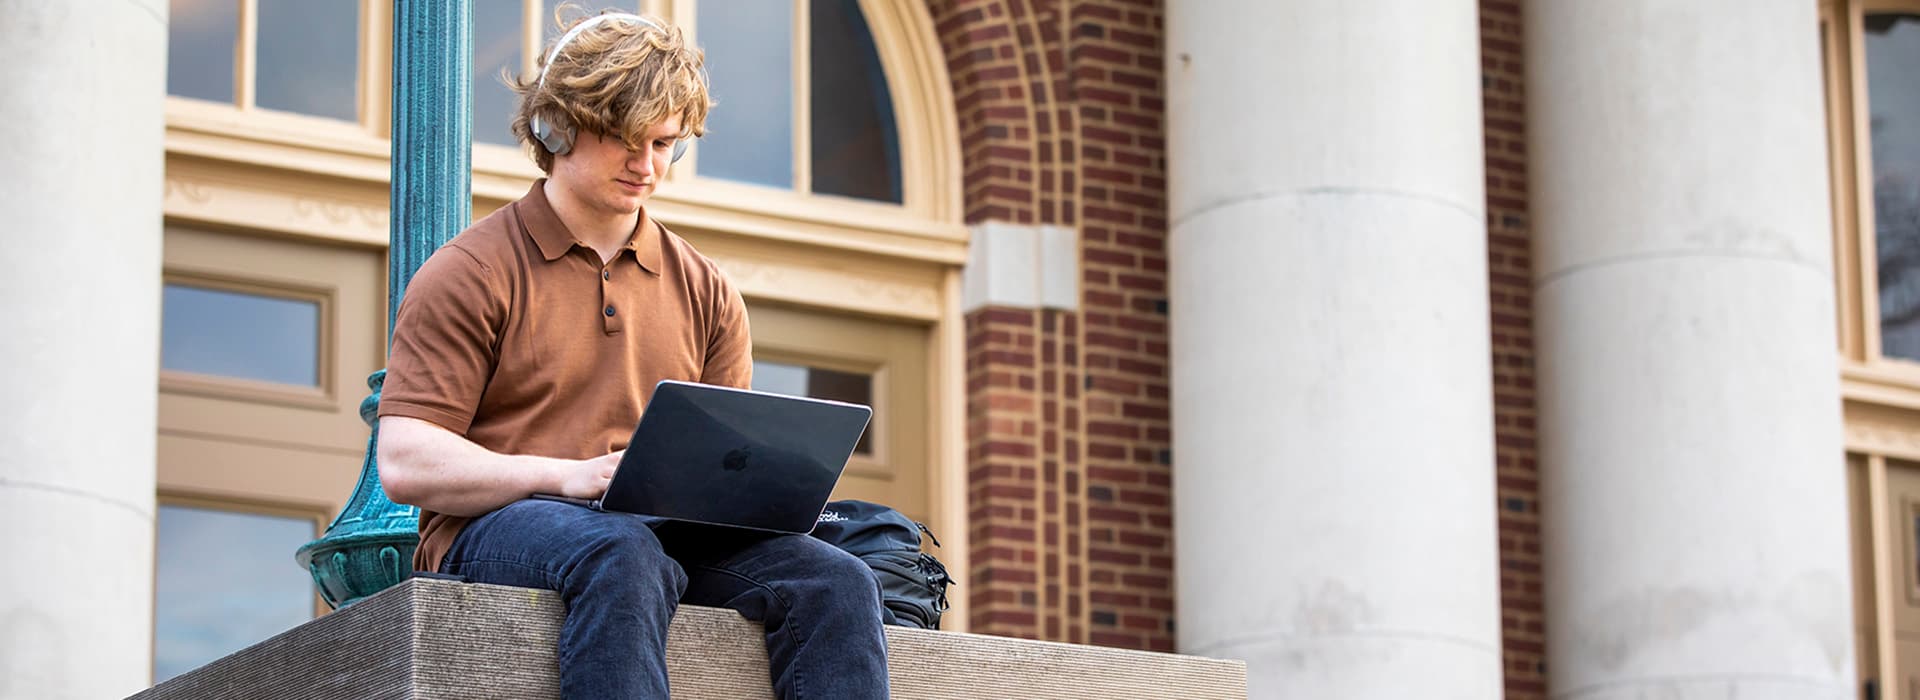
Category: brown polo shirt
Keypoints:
(515, 336)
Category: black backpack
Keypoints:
(913, 584)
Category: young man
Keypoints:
(523, 354)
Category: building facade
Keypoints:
(1457, 349)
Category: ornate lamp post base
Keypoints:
(370, 544)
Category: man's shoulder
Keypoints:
(492, 240)
(487, 247)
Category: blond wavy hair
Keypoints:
(616, 79)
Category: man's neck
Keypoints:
(606, 233)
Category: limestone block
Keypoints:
(435, 639)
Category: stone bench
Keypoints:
(429, 638)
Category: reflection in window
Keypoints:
(201, 38)
(856, 151)
(308, 57)
(223, 581)
(496, 48)
(1893, 93)
(815, 382)
(749, 45)
(233, 334)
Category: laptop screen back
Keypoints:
(733, 457)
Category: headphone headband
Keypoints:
(559, 142)
(583, 26)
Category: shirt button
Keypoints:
(609, 309)
(606, 274)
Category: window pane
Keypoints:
(856, 151)
(211, 331)
(814, 382)
(1893, 91)
(496, 48)
(223, 581)
(201, 38)
(749, 45)
(308, 57)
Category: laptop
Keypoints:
(735, 457)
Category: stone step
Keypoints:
(442, 640)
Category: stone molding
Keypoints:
(433, 638)
(1022, 266)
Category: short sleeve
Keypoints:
(445, 340)
(729, 360)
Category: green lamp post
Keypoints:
(370, 544)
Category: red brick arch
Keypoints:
(1060, 117)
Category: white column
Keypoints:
(81, 93)
(1693, 488)
(1333, 439)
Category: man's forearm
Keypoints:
(422, 464)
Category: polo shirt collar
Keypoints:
(554, 240)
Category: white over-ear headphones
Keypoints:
(560, 141)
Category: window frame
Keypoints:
(901, 358)
(370, 104)
(875, 462)
(322, 395)
(1850, 162)
(229, 504)
(685, 13)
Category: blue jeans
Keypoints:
(623, 575)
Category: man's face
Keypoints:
(601, 173)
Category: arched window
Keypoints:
(803, 100)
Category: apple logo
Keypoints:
(737, 459)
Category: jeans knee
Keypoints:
(625, 552)
(847, 581)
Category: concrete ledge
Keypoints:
(434, 639)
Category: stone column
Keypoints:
(83, 87)
(1693, 488)
(1332, 411)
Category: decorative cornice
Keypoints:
(796, 281)
(275, 201)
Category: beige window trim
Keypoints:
(250, 506)
(1848, 111)
(263, 441)
(1836, 69)
(321, 396)
(245, 67)
(371, 76)
(376, 68)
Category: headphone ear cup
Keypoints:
(680, 149)
(554, 140)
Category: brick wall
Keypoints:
(1510, 271)
(1060, 115)
(1115, 61)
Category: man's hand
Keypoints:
(588, 478)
